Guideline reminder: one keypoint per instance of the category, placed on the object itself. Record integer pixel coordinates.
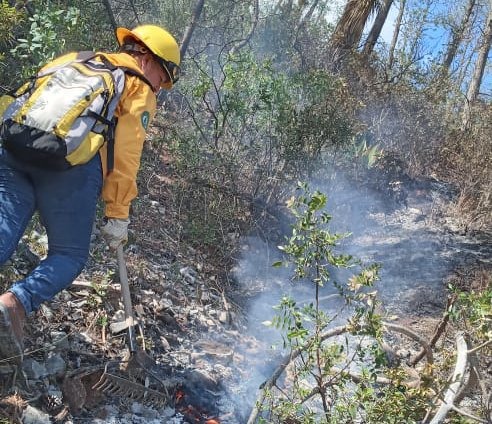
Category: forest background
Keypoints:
(276, 92)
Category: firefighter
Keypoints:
(66, 199)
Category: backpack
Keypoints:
(61, 117)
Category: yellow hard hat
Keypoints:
(158, 41)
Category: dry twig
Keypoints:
(441, 326)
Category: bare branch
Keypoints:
(441, 326)
(456, 380)
(243, 42)
(476, 349)
(468, 415)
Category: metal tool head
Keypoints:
(114, 385)
(137, 364)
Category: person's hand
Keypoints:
(115, 232)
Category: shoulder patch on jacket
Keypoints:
(145, 118)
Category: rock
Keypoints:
(60, 340)
(224, 317)
(55, 365)
(165, 344)
(46, 311)
(32, 415)
(202, 379)
(218, 352)
(33, 369)
(83, 337)
(117, 327)
(189, 274)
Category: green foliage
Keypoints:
(391, 404)
(31, 36)
(262, 119)
(9, 18)
(254, 130)
(321, 387)
(473, 312)
(102, 320)
(366, 152)
(44, 40)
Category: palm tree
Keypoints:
(373, 36)
(348, 32)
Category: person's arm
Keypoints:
(135, 111)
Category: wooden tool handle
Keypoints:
(127, 300)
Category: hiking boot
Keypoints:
(12, 317)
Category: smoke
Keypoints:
(413, 255)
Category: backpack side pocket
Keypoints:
(86, 150)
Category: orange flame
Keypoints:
(179, 395)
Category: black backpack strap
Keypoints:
(109, 136)
(84, 56)
(137, 74)
(110, 149)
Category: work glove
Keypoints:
(115, 232)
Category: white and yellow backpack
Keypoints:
(63, 115)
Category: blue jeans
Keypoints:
(66, 202)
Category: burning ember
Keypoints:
(191, 413)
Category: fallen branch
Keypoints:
(359, 378)
(456, 381)
(468, 415)
(476, 349)
(475, 379)
(407, 332)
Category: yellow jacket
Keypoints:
(135, 111)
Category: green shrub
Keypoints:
(252, 131)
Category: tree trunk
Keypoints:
(396, 33)
(476, 80)
(254, 23)
(457, 38)
(135, 11)
(373, 36)
(111, 17)
(197, 11)
(303, 19)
